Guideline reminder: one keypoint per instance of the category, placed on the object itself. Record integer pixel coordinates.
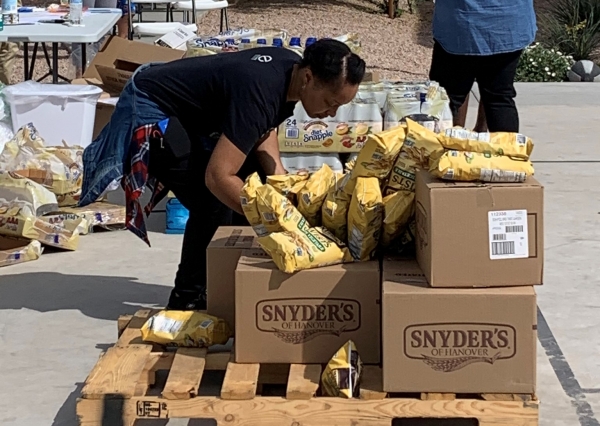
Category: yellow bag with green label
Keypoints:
(365, 217)
(249, 204)
(421, 146)
(398, 209)
(312, 196)
(474, 166)
(377, 157)
(289, 185)
(303, 248)
(513, 145)
(272, 207)
(334, 213)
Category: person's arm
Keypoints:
(268, 155)
(221, 179)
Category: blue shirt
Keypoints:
(484, 27)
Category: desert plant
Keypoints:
(573, 27)
(540, 64)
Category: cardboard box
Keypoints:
(118, 58)
(104, 110)
(456, 340)
(176, 39)
(222, 256)
(307, 316)
(472, 234)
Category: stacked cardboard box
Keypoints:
(460, 318)
(463, 320)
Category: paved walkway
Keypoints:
(59, 313)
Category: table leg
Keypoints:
(33, 59)
(55, 63)
(26, 61)
(83, 57)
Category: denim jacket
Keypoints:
(104, 160)
(484, 27)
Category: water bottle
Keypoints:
(296, 45)
(76, 12)
(277, 42)
(10, 12)
(310, 40)
(261, 42)
(245, 44)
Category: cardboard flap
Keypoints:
(116, 50)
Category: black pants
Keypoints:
(495, 75)
(185, 177)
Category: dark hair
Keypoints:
(332, 62)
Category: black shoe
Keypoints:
(186, 301)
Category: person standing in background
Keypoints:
(123, 23)
(482, 40)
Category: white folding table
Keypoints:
(96, 24)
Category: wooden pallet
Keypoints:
(123, 387)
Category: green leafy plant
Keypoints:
(540, 64)
(573, 27)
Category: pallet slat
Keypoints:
(186, 374)
(303, 381)
(437, 396)
(240, 381)
(117, 372)
(132, 333)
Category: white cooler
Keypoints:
(58, 111)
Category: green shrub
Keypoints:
(540, 64)
(573, 27)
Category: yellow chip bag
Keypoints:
(474, 166)
(334, 212)
(513, 145)
(272, 207)
(377, 157)
(341, 377)
(365, 217)
(420, 145)
(304, 248)
(398, 209)
(312, 196)
(249, 204)
(191, 329)
(288, 185)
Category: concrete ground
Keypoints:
(59, 313)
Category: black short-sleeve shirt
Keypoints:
(241, 94)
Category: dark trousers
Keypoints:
(495, 75)
(185, 177)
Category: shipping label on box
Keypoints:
(307, 316)
(472, 234)
(455, 340)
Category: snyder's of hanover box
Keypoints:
(222, 256)
(307, 316)
(473, 234)
(456, 340)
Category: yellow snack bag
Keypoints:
(513, 145)
(334, 212)
(272, 207)
(365, 217)
(420, 145)
(312, 196)
(249, 203)
(190, 329)
(377, 156)
(304, 248)
(398, 209)
(474, 166)
(288, 185)
(341, 377)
